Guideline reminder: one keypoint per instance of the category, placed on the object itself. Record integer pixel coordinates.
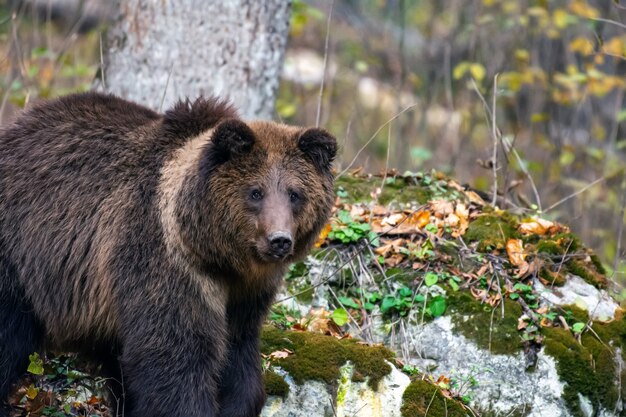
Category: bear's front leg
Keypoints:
(171, 365)
(241, 392)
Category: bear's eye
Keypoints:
(256, 195)
(294, 197)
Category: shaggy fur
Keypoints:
(146, 240)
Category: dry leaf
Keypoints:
(441, 208)
(392, 220)
(422, 218)
(536, 226)
(280, 354)
(515, 250)
(357, 211)
(522, 322)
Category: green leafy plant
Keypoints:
(349, 231)
(283, 317)
(340, 316)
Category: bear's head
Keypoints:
(256, 196)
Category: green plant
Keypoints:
(525, 291)
(349, 231)
(401, 302)
(284, 317)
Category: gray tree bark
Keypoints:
(159, 51)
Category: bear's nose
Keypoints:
(280, 243)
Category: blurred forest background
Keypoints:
(417, 85)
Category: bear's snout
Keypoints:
(280, 244)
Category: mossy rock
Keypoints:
(318, 357)
(582, 262)
(275, 384)
(588, 367)
(492, 231)
(421, 399)
(417, 189)
(485, 325)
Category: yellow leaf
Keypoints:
(581, 45)
(581, 8)
(560, 18)
(32, 392)
(615, 46)
(460, 70)
(522, 55)
(477, 71)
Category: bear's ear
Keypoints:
(320, 146)
(230, 139)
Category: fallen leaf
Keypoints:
(515, 251)
(392, 220)
(536, 226)
(422, 218)
(280, 354)
(522, 322)
(441, 208)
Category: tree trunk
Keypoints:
(159, 51)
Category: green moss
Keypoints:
(492, 231)
(421, 398)
(582, 263)
(398, 189)
(555, 278)
(588, 367)
(550, 247)
(275, 384)
(318, 357)
(595, 260)
(480, 323)
(587, 271)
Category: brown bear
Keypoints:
(154, 242)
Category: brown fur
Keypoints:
(141, 237)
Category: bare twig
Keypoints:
(491, 120)
(609, 21)
(167, 83)
(382, 183)
(620, 228)
(374, 137)
(431, 401)
(582, 190)
(510, 148)
(104, 85)
(495, 137)
(321, 93)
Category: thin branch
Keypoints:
(321, 93)
(374, 137)
(167, 83)
(494, 134)
(620, 228)
(612, 22)
(582, 190)
(490, 120)
(522, 166)
(104, 85)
